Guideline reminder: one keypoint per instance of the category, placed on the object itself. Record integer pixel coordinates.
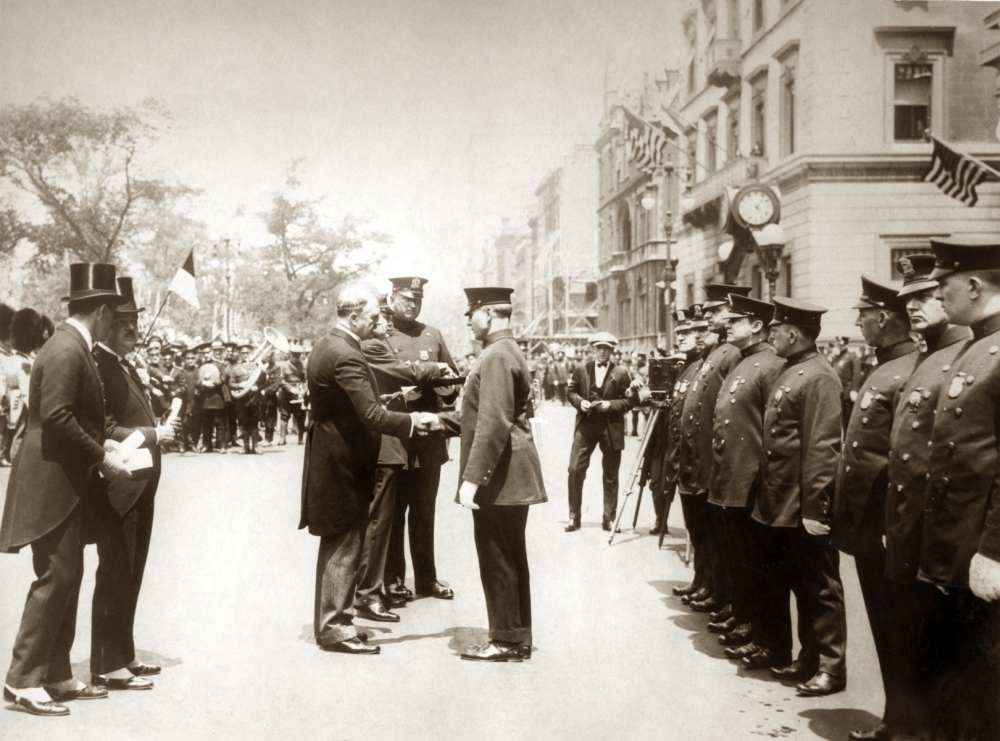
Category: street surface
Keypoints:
(227, 608)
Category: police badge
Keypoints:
(866, 400)
(914, 401)
(777, 396)
(684, 386)
(425, 355)
(957, 384)
(736, 385)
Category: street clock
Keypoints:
(755, 206)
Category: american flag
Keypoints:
(646, 142)
(956, 174)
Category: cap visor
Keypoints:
(917, 287)
(863, 304)
(732, 315)
(713, 304)
(941, 272)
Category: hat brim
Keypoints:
(713, 304)
(80, 295)
(410, 293)
(730, 314)
(917, 287)
(603, 343)
(942, 272)
(865, 304)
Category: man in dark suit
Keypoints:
(601, 392)
(499, 473)
(342, 448)
(52, 473)
(848, 367)
(121, 518)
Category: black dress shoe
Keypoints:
(685, 590)
(494, 651)
(87, 692)
(723, 626)
(606, 527)
(571, 527)
(739, 652)
(794, 672)
(525, 651)
(763, 659)
(881, 732)
(128, 683)
(822, 684)
(144, 670)
(437, 590)
(399, 590)
(697, 596)
(375, 611)
(655, 530)
(354, 645)
(722, 615)
(390, 601)
(737, 636)
(33, 707)
(706, 605)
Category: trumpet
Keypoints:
(273, 339)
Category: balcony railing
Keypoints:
(723, 62)
(654, 249)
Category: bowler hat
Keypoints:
(90, 280)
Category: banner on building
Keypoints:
(646, 142)
(956, 174)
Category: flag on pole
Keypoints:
(956, 174)
(184, 284)
(645, 142)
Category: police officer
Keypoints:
(848, 367)
(417, 484)
(802, 431)
(245, 390)
(292, 394)
(214, 392)
(858, 522)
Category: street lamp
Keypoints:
(769, 243)
(648, 200)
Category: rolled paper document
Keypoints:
(131, 444)
(175, 410)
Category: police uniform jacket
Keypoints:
(672, 457)
(615, 389)
(416, 342)
(862, 478)
(498, 451)
(848, 367)
(293, 376)
(343, 441)
(963, 497)
(699, 413)
(802, 427)
(392, 374)
(739, 425)
(909, 454)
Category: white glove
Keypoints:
(113, 467)
(984, 578)
(467, 493)
(165, 433)
(815, 527)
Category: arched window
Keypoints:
(624, 229)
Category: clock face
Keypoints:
(756, 207)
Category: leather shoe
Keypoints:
(375, 611)
(354, 645)
(739, 652)
(794, 672)
(571, 527)
(128, 683)
(722, 615)
(144, 670)
(685, 590)
(399, 590)
(525, 651)
(706, 605)
(87, 692)
(822, 684)
(33, 707)
(606, 527)
(763, 659)
(722, 626)
(737, 636)
(494, 651)
(881, 732)
(437, 590)
(697, 596)
(390, 601)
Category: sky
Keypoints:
(436, 119)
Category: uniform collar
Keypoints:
(801, 356)
(754, 349)
(891, 352)
(986, 326)
(501, 334)
(951, 334)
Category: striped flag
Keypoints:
(645, 142)
(956, 174)
(184, 284)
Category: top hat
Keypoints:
(961, 255)
(409, 287)
(751, 308)
(878, 296)
(485, 296)
(916, 270)
(717, 294)
(792, 311)
(128, 297)
(90, 280)
(603, 338)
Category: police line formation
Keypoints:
(779, 468)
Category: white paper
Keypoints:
(140, 460)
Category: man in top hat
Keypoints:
(417, 485)
(697, 427)
(737, 450)
(121, 520)
(500, 475)
(802, 431)
(960, 548)
(848, 367)
(292, 394)
(858, 522)
(601, 392)
(53, 470)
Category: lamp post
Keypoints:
(769, 243)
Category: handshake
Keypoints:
(424, 422)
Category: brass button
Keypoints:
(854, 444)
(915, 425)
(899, 487)
(958, 412)
(946, 368)
(906, 456)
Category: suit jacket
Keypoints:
(392, 374)
(342, 445)
(862, 477)
(802, 427)
(498, 451)
(909, 456)
(739, 425)
(128, 406)
(616, 389)
(63, 442)
(963, 495)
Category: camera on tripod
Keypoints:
(662, 377)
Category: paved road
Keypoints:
(227, 610)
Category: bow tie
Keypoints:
(602, 365)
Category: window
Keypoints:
(788, 105)
(734, 19)
(692, 156)
(711, 141)
(758, 15)
(758, 119)
(690, 76)
(912, 100)
(733, 129)
(624, 230)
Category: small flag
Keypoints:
(645, 142)
(956, 174)
(184, 284)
